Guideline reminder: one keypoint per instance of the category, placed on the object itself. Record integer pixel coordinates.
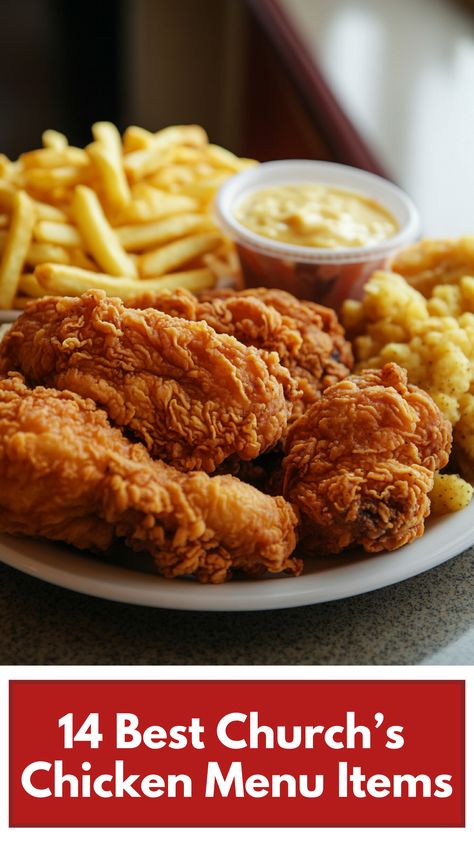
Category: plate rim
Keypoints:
(446, 537)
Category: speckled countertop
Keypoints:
(428, 619)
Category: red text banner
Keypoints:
(236, 753)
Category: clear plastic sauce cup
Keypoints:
(326, 275)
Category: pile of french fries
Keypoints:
(126, 214)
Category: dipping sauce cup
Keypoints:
(325, 275)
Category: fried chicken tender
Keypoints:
(68, 475)
(307, 337)
(360, 463)
(192, 397)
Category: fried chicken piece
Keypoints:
(192, 397)
(307, 337)
(68, 475)
(360, 462)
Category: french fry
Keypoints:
(7, 194)
(50, 212)
(222, 158)
(68, 156)
(78, 257)
(203, 190)
(5, 166)
(137, 138)
(124, 208)
(68, 280)
(171, 176)
(100, 239)
(110, 170)
(147, 235)
(46, 253)
(173, 255)
(149, 204)
(108, 136)
(50, 179)
(59, 233)
(29, 286)
(16, 246)
(54, 140)
(140, 163)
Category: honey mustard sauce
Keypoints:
(316, 215)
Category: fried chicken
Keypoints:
(307, 337)
(360, 462)
(67, 474)
(194, 398)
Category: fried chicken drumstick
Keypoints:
(307, 337)
(360, 462)
(66, 474)
(194, 398)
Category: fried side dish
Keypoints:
(194, 398)
(323, 357)
(433, 338)
(127, 212)
(429, 263)
(67, 475)
(450, 493)
(360, 463)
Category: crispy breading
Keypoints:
(193, 397)
(360, 462)
(67, 474)
(307, 337)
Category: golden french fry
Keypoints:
(204, 189)
(78, 257)
(59, 233)
(108, 135)
(220, 157)
(186, 155)
(29, 286)
(68, 156)
(144, 161)
(16, 246)
(147, 235)
(50, 212)
(131, 207)
(111, 173)
(136, 138)
(68, 280)
(149, 204)
(46, 253)
(50, 179)
(54, 140)
(173, 255)
(171, 176)
(7, 194)
(100, 239)
(7, 167)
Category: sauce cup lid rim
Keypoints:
(260, 177)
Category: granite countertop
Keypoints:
(425, 620)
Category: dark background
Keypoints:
(64, 65)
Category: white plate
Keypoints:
(329, 578)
